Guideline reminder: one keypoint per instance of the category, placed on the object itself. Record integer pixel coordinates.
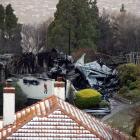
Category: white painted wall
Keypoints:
(50, 87)
(60, 92)
(37, 91)
(8, 108)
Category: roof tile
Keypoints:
(52, 118)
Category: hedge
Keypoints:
(128, 73)
(87, 98)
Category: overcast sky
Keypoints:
(30, 11)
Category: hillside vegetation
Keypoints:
(129, 75)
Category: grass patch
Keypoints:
(123, 120)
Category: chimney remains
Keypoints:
(8, 105)
(59, 89)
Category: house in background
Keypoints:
(52, 119)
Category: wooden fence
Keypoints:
(133, 57)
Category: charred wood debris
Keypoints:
(83, 75)
(97, 74)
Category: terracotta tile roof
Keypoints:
(54, 119)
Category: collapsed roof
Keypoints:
(96, 73)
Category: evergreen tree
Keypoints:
(9, 30)
(106, 34)
(95, 20)
(10, 20)
(59, 29)
(2, 16)
(75, 23)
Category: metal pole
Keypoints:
(69, 51)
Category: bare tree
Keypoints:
(126, 33)
(34, 37)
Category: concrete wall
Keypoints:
(60, 92)
(8, 108)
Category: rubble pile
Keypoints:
(85, 75)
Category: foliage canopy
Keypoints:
(75, 24)
(8, 21)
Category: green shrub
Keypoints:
(128, 73)
(133, 95)
(87, 98)
(1, 87)
(20, 97)
(132, 85)
(123, 90)
(138, 83)
(104, 103)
